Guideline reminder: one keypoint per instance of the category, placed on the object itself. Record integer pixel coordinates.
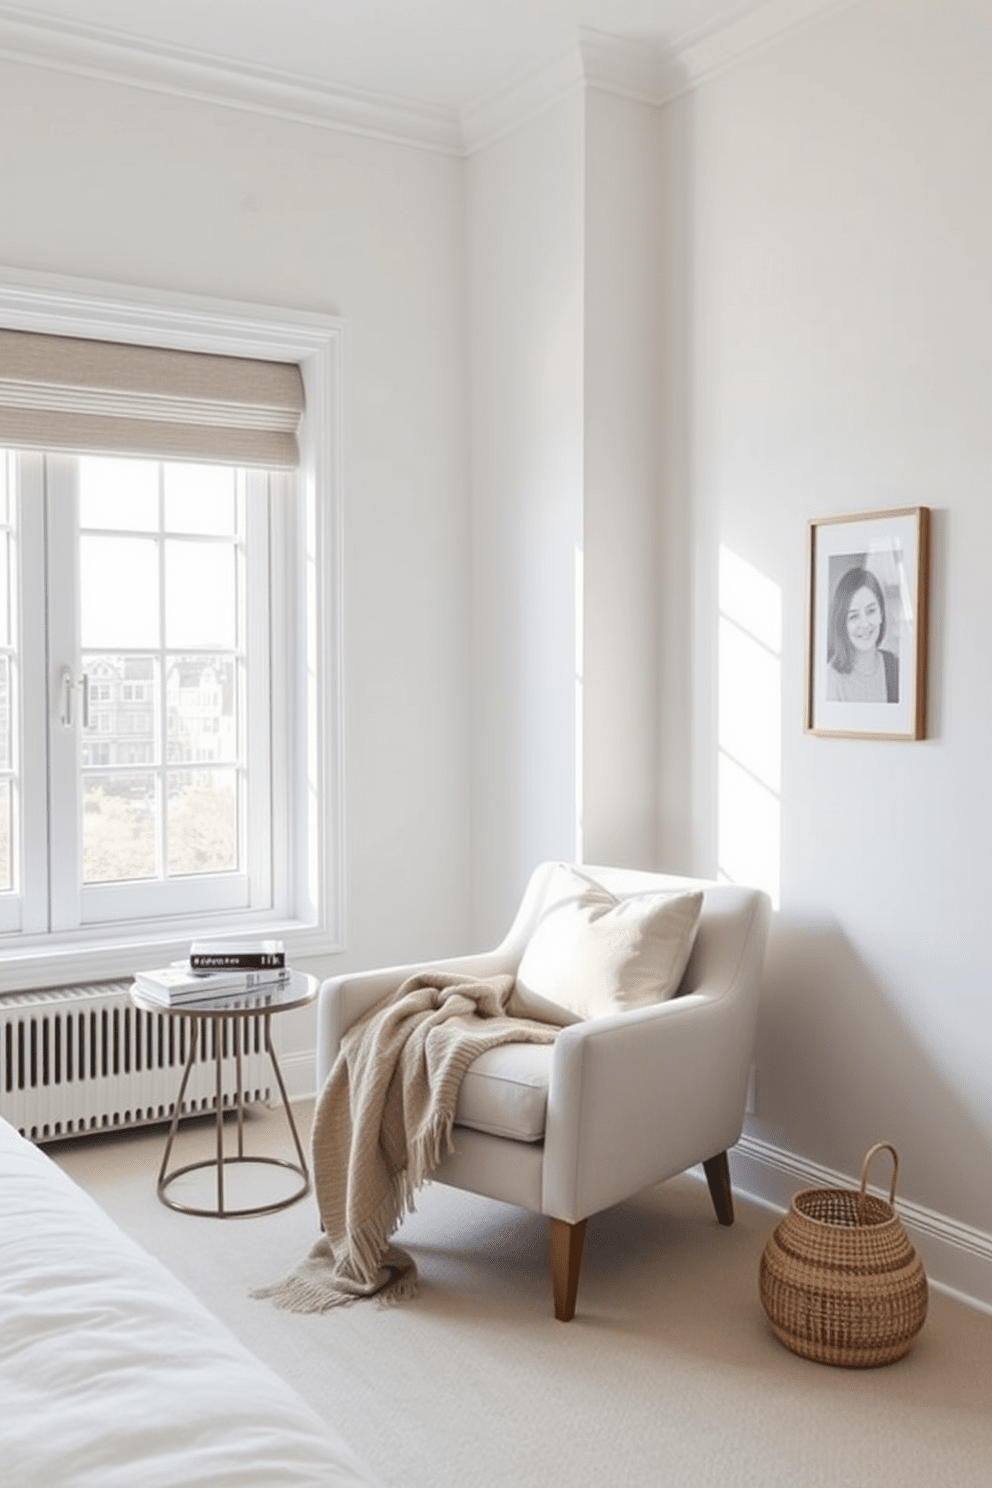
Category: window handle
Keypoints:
(66, 685)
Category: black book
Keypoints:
(236, 955)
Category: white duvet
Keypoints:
(112, 1375)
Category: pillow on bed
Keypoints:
(593, 953)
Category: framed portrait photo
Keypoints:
(866, 642)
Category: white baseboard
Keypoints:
(957, 1258)
(298, 1072)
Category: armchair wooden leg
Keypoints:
(717, 1170)
(566, 1259)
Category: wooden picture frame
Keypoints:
(866, 633)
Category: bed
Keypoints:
(113, 1375)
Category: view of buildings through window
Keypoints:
(123, 732)
(147, 569)
(7, 662)
(5, 782)
(161, 738)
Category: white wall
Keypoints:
(525, 235)
(567, 442)
(840, 223)
(118, 184)
(623, 445)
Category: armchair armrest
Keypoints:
(343, 1000)
(639, 1096)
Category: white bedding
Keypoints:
(112, 1375)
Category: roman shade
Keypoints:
(103, 397)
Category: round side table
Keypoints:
(261, 1004)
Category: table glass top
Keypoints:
(301, 988)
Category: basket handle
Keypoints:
(866, 1164)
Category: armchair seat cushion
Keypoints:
(505, 1092)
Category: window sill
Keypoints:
(77, 961)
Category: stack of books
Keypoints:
(217, 969)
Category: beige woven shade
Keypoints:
(101, 397)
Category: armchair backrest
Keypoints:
(730, 943)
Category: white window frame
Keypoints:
(309, 836)
(72, 904)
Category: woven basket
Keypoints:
(839, 1279)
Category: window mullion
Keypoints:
(285, 648)
(62, 506)
(256, 789)
(27, 909)
(162, 763)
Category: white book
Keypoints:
(179, 983)
(251, 999)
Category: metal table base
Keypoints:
(219, 1161)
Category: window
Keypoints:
(160, 624)
(169, 712)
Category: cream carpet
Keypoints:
(668, 1374)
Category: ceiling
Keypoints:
(422, 55)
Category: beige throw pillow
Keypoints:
(593, 953)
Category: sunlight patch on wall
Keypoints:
(580, 702)
(749, 727)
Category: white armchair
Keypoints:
(618, 1102)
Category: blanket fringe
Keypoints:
(371, 1154)
(368, 1242)
(294, 1294)
(298, 1294)
(317, 1286)
(427, 1149)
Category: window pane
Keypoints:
(200, 498)
(118, 591)
(157, 803)
(203, 836)
(9, 668)
(6, 752)
(118, 827)
(6, 554)
(123, 713)
(6, 857)
(200, 595)
(201, 703)
(118, 493)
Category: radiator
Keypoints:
(83, 1059)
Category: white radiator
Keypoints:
(84, 1059)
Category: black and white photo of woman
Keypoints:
(859, 668)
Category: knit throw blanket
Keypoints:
(382, 1124)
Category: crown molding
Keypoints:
(695, 57)
(88, 52)
(611, 64)
(642, 71)
(628, 69)
(525, 96)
